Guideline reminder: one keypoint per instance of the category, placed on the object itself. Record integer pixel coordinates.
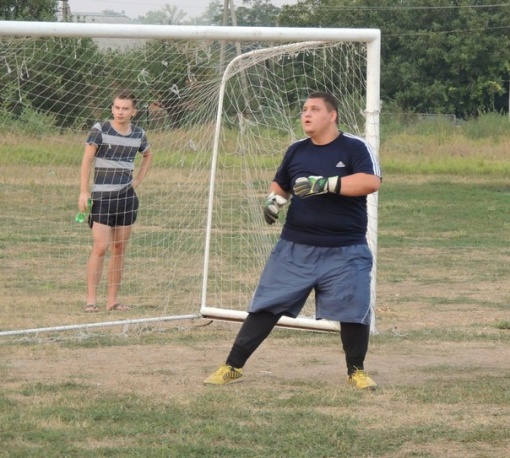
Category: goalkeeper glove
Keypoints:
(314, 185)
(274, 203)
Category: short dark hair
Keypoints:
(329, 99)
(126, 95)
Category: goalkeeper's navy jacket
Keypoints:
(327, 219)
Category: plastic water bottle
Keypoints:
(80, 216)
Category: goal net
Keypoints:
(219, 109)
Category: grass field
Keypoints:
(441, 355)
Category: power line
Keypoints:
(405, 7)
(445, 32)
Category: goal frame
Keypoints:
(370, 37)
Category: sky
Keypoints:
(135, 8)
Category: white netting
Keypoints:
(52, 90)
(264, 92)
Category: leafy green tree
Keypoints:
(174, 72)
(168, 15)
(213, 14)
(257, 13)
(63, 84)
(28, 10)
(252, 13)
(439, 56)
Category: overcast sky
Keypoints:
(135, 8)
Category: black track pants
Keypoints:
(253, 332)
(354, 337)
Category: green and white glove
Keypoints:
(315, 185)
(274, 203)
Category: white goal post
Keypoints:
(220, 106)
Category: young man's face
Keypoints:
(123, 110)
(315, 117)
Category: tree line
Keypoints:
(437, 56)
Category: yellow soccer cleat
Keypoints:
(361, 380)
(225, 374)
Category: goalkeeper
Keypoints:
(323, 244)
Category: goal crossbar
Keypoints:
(185, 32)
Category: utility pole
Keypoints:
(222, 48)
(66, 12)
(228, 5)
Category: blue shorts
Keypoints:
(113, 211)
(340, 277)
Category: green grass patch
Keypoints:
(443, 270)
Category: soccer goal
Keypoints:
(220, 106)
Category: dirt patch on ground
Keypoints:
(171, 370)
(417, 374)
(403, 308)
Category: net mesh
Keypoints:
(52, 90)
